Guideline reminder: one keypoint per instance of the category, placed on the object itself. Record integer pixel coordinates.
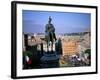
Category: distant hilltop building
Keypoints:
(69, 47)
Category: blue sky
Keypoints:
(64, 22)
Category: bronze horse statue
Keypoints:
(50, 34)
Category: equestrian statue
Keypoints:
(50, 34)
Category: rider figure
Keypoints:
(50, 32)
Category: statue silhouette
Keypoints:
(50, 34)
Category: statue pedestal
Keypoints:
(50, 60)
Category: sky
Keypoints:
(64, 22)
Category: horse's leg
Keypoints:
(47, 47)
(51, 46)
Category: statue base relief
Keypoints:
(50, 56)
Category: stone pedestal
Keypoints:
(50, 60)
